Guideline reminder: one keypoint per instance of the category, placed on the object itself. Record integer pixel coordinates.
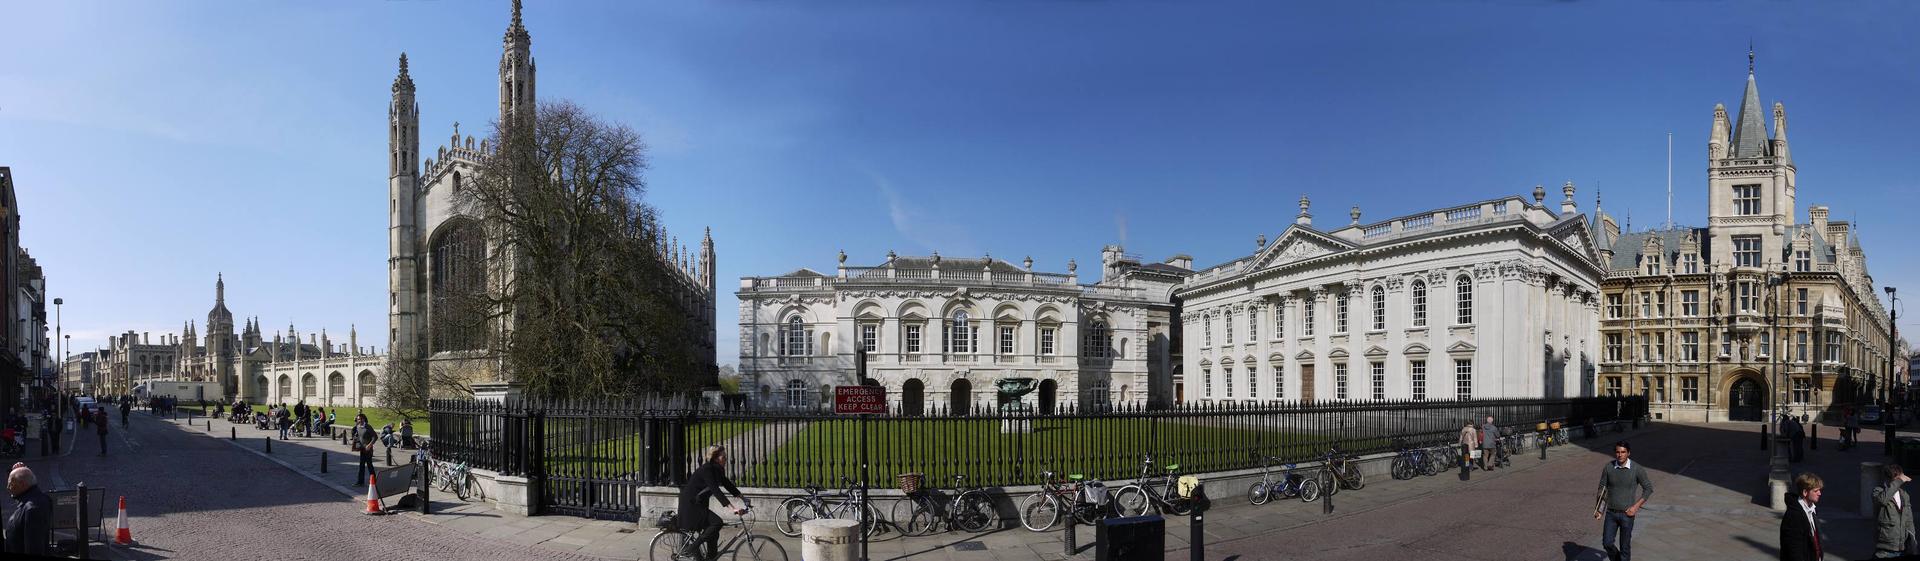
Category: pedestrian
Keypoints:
(1852, 429)
(363, 438)
(1614, 503)
(406, 434)
(1799, 527)
(1469, 439)
(1893, 514)
(30, 527)
(283, 424)
(1798, 436)
(1489, 439)
(125, 408)
(100, 427)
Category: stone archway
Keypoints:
(1047, 390)
(1746, 398)
(960, 398)
(912, 397)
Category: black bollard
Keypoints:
(389, 456)
(323, 461)
(426, 483)
(1326, 488)
(1197, 536)
(1814, 440)
(1070, 544)
(80, 522)
(231, 433)
(1763, 436)
(1886, 445)
(269, 445)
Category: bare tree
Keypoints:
(577, 300)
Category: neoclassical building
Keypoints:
(1757, 310)
(1494, 299)
(438, 254)
(940, 331)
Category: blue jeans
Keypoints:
(1623, 524)
(283, 432)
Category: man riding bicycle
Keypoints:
(707, 481)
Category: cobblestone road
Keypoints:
(190, 496)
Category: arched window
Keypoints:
(1379, 308)
(458, 284)
(1097, 345)
(1419, 303)
(794, 343)
(286, 387)
(796, 394)
(367, 387)
(1101, 389)
(307, 386)
(959, 334)
(336, 385)
(456, 182)
(1463, 288)
(960, 397)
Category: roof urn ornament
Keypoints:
(1260, 241)
(1355, 213)
(1072, 267)
(843, 257)
(936, 259)
(1028, 262)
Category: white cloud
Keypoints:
(930, 231)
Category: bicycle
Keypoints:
(1412, 461)
(1342, 472)
(1290, 484)
(458, 478)
(1085, 501)
(848, 504)
(674, 544)
(1152, 491)
(969, 509)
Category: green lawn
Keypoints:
(1108, 448)
(619, 455)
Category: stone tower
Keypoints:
(403, 148)
(516, 71)
(220, 335)
(706, 260)
(1751, 182)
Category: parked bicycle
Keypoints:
(674, 544)
(923, 513)
(1341, 469)
(1411, 461)
(847, 504)
(458, 479)
(1153, 491)
(1084, 500)
(1289, 484)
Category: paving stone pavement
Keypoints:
(1709, 504)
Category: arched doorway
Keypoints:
(1047, 389)
(961, 397)
(1746, 401)
(912, 397)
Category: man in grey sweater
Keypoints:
(1616, 504)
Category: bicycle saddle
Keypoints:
(1076, 476)
(813, 489)
(959, 478)
(1173, 467)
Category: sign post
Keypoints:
(865, 401)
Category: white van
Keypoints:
(84, 403)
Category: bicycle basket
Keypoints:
(910, 482)
(1093, 493)
(1186, 485)
(665, 522)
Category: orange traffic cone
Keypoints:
(123, 536)
(373, 498)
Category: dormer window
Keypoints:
(1802, 261)
(1653, 264)
(1690, 263)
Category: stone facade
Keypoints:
(940, 331)
(438, 253)
(1487, 300)
(1755, 311)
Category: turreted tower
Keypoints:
(516, 71)
(706, 260)
(403, 143)
(1750, 178)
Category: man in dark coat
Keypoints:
(1799, 529)
(30, 527)
(707, 481)
(100, 427)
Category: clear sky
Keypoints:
(157, 143)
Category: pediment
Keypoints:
(1337, 353)
(1462, 347)
(1577, 236)
(1304, 355)
(1376, 351)
(1276, 357)
(1415, 349)
(1298, 243)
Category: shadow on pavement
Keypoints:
(1577, 552)
(1770, 550)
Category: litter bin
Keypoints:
(1131, 538)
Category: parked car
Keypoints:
(1870, 414)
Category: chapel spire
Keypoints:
(516, 70)
(1750, 131)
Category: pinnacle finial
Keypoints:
(403, 63)
(516, 13)
(1749, 56)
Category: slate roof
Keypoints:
(1626, 250)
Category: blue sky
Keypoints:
(154, 144)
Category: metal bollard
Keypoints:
(1069, 544)
(1197, 536)
(1763, 436)
(1814, 440)
(232, 433)
(426, 484)
(1886, 446)
(323, 461)
(80, 523)
(269, 445)
(389, 456)
(1326, 490)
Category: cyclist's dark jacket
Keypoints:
(706, 481)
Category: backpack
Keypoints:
(1093, 493)
(1185, 486)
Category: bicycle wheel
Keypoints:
(975, 512)
(1329, 483)
(666, 546)
(1401, 469)
(473, 488)
(1352, 476)
(1039, 511)
(922, 519)
(1132, 501)
(759, 548)
(462, 486)
(1309, 490)
(794, 512)
(1179, 506)
(1257, 493)
(1430, 467)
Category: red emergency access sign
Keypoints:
(860, 400)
